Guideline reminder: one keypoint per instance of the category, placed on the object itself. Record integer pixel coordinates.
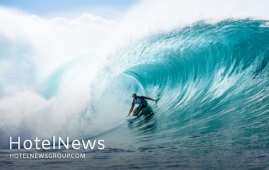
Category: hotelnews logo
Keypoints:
(54, 145)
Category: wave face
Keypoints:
(212, 82)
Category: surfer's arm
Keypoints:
(131, 109)
(148, 98)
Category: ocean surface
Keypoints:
(212, 82)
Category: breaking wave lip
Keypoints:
(212, 79)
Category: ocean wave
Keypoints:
(210, 78)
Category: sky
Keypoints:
(70, 8)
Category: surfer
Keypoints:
(141, 100)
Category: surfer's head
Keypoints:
(134, 96)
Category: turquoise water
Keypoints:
(213, 112)
(212, 81)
